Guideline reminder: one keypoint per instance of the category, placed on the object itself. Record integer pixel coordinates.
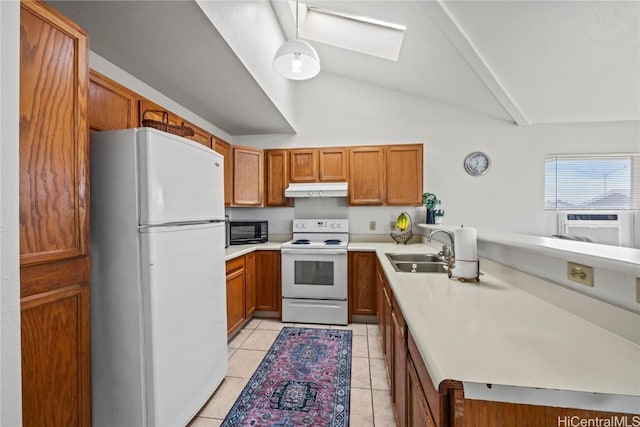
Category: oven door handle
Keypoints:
(312, 252)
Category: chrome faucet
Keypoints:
(445, 252)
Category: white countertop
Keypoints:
(235, 251)
(495, 333)
(597, 255)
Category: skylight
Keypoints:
(357, 33)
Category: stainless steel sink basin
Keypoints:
(414, 258)
(420, 267)
(417, 263)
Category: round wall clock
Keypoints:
(477, 163)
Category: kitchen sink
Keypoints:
(414, 258)
(417, 263)
(420, 267)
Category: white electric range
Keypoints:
(314, 272)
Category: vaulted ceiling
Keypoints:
(526, 62)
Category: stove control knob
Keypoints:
(303, 225)
(339, 225)
(334, 225)
(298, 225)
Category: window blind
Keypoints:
(592, 181)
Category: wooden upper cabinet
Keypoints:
(153, 111)
(201, 136)
(366, 175)
(54, 179)
(247, 176)
(224, 148)
(303, 165)
(318, 164)
(111, 105)
(404, 174)
(332, 164)
(276, 177)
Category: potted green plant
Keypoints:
(430, 200)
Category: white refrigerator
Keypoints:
(158, 302)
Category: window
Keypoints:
(357, 33)
(592, 182)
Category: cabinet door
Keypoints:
(224, 148)
(250, 284)
(200, 136)
(332, 164)
(247, 176)
(277, 177)
(366, 176)
(404, 174)
(362, 283)
(56, 385)
(399, 392)
(54, 181)
(235, 293)
(388, 334)
(268, 286)
(381, 306)
(303, 165)
(418, 413)
(111, 105)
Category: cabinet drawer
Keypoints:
(234, 264)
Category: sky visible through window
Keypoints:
(588, 183)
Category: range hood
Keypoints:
(317, 189)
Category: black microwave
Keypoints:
(245, 232)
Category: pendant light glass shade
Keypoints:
(296, 60)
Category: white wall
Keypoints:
(251, 30)
(10, 364)
(332, 110)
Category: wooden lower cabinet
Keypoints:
(418, 412)
(399, 392)
(235, 293)
(362, 283)
(55, 339)
(268, 282)
(250, 284)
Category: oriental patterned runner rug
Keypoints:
(304, 380)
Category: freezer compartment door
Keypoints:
(184, 310)
(180, 180)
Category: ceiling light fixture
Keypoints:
(296, 59)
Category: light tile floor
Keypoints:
(370, 397)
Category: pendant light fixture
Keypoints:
(296, 59)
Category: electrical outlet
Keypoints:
(579, 273)
(372, 226)
(638, 290)
(392, 225)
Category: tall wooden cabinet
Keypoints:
(54, 221)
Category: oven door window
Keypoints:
(315, 273)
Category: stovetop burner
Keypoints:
(301, 242)
(332, 242)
